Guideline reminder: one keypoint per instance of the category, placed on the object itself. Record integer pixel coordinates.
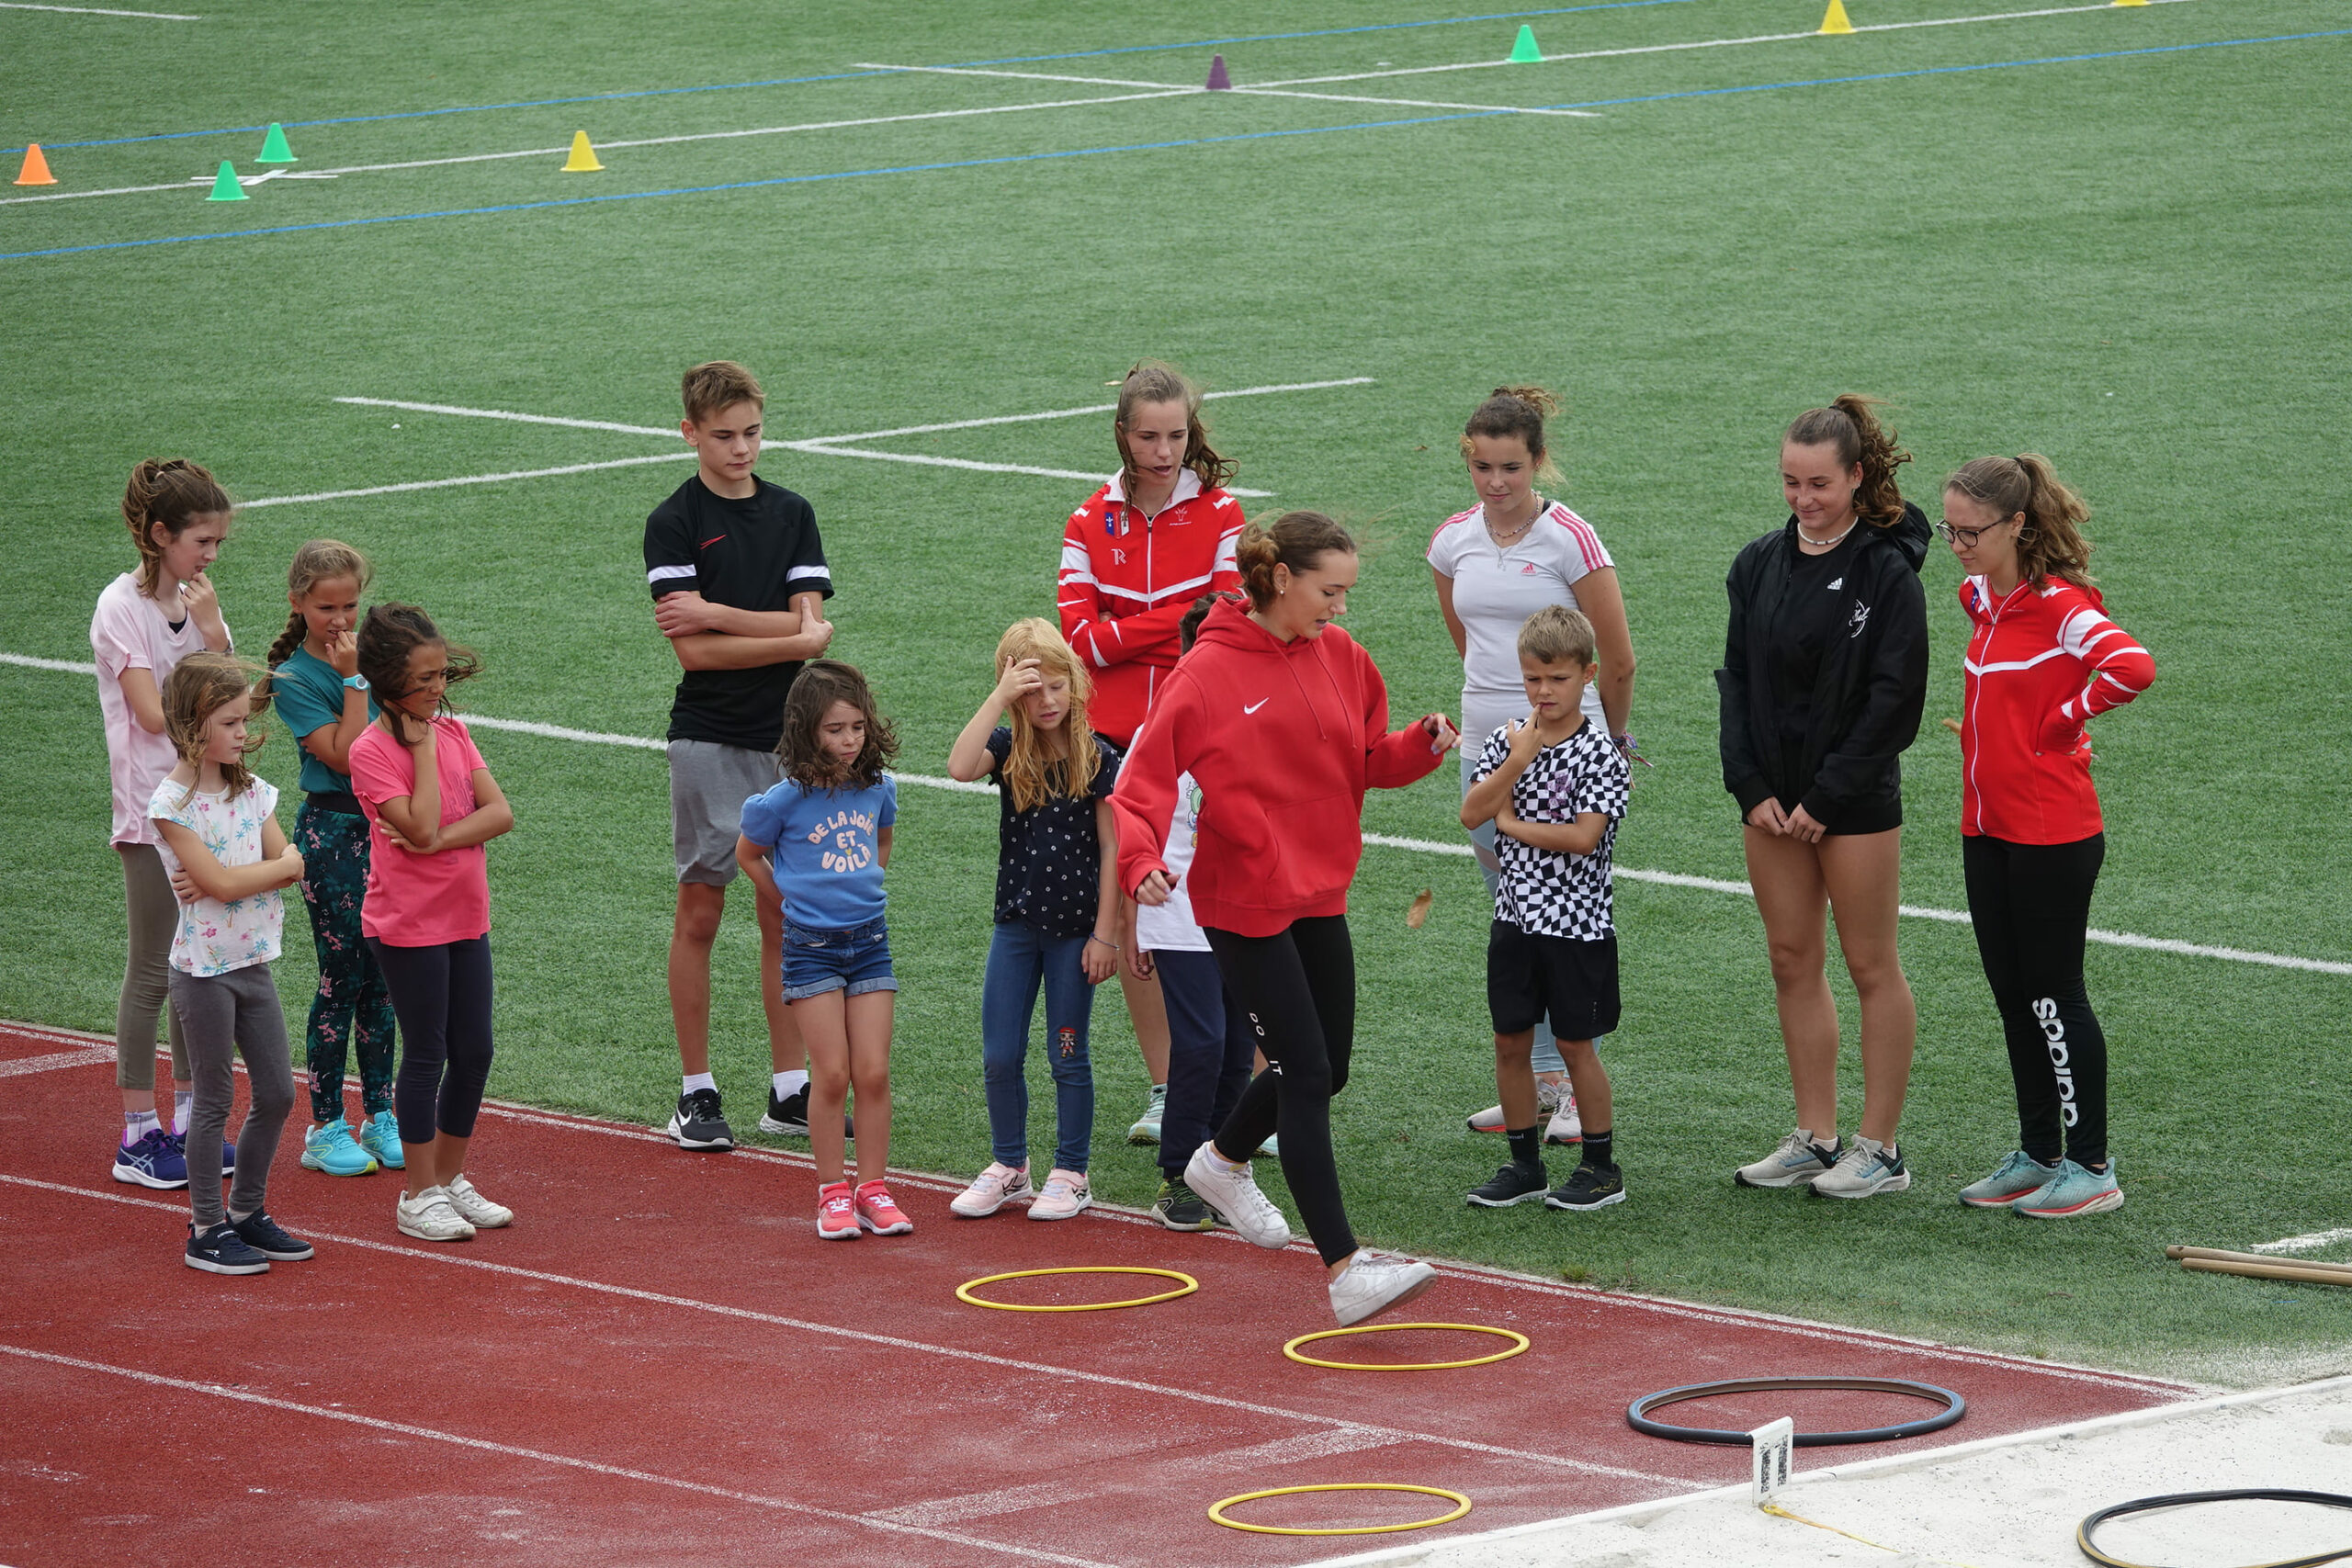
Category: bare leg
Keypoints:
(824, 1025)
(870, 1075)
(1514, 1079)
(1794, 902)
(1861, 872)
(435, 1164)
(785, 1051)
(1148, 1011)
(700, 905)
(1590, 1082)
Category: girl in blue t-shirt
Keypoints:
(817, 843)
(318, 692)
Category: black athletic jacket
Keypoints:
(1872, 689)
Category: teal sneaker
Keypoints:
(2020, 1175)
(332, 1149)
(2073, 1192)
(380, 1136)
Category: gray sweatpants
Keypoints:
(222, 1015)
(154, 916)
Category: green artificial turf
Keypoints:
(2135, 263)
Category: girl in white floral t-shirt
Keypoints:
(229, 860)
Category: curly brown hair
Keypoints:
(386, 637)
(1295, 539)
(821, 684)
(1516, 412)
(1850, 424)
(2050, 543)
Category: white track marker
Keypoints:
(1417, 846)
(540, 1455)
(96, 11)
(2310, 1242)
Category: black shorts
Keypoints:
(1530, 979)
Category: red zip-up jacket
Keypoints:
(1126, 580)
(1282, 740)
(2039, 662)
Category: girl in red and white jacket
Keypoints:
(1147, 545)
(2042, 659)
(1282, 721)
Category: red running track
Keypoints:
(661, 1363)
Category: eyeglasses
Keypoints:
(1965, 537)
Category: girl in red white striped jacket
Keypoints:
(2042, 659)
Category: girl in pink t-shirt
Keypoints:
(430, 805)
(146, 621)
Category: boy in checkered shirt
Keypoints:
(1554, 785)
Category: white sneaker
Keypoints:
(1375, 1281)
(1147, 1126)
(1063, 1196)
(430, 1216)
(473, 1208)
(1233, 1192)
(1549, 1097)
(1566, 1126)
(994, 1188)
(1867, 1166)
(1795, 1161)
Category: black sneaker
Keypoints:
(1180, 1208)
(1514, 1183)
(221, 1250)
(787, 1115)
(696, 1123)
(261, 1233)
(1588, 1187)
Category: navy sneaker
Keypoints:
(155, 1161)
(261, 1233)
(221, 1250)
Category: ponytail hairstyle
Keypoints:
(319, 560)
(1851, 426)
(386, 637)
(1032, 775)
(821, 684)
(1517, 413)
(1153, 382)
(2050, 542)
(1295, 539)
(174, 492)
(200, 687)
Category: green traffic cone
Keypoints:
(225, 187)
(1523, 51)
(273, 146)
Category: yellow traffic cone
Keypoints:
(1834, 20)
(583, 157)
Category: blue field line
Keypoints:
(842, 75)
(1126, 147)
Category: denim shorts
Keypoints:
(817, 961)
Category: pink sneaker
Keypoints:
(878, 1213)
(836, 1212)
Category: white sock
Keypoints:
(137, 1124)
(789, 1084)
(1223, 1163)
(183, 1107)
(700, 1080)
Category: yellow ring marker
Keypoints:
(1462, 1507)
(964, 1291)
(1291, 1349)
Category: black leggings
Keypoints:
(441, 995)
(2032, 903)
(1299, 990)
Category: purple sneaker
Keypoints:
(156, 1160)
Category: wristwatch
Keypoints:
(356, 683)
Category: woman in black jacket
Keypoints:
(1824, 674)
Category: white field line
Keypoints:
(2310, 1242)
(640, 142)
(97, 11)
(1420, 846)
(100, 1051)
(918, 1347)
(1267, 390)
(462, 479)
(541, 1456)
(1266, 92)
(24, 1064)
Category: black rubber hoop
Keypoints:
(2083, 1532)
(1954, 1408)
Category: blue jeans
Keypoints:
(817, 960)
(1209, 1055)
(1021, 959)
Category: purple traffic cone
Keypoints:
(1218, 80)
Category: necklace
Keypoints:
(1507, 535)
(1824, 543)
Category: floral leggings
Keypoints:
(351, 1006)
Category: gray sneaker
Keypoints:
(1867, 1167)
(1375, 1281)
(2019, 1173)
(1233, 1192)
(1180, 1208)
(1798, 1161)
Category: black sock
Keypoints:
(1600, 1148)
(1526, 1146)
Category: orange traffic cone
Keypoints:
(36, 169)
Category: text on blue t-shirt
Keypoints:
(825, 847)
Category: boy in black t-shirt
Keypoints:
(738, 581)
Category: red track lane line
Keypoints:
(1665, 1306)
(1391, 1434)
(540, 1455)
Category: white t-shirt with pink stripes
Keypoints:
(1496, 589)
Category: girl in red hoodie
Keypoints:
(2042, 657)
(1283, 722)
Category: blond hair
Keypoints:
(200, 687)
(319, 560)
(1557, 635)
(1033, 777)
